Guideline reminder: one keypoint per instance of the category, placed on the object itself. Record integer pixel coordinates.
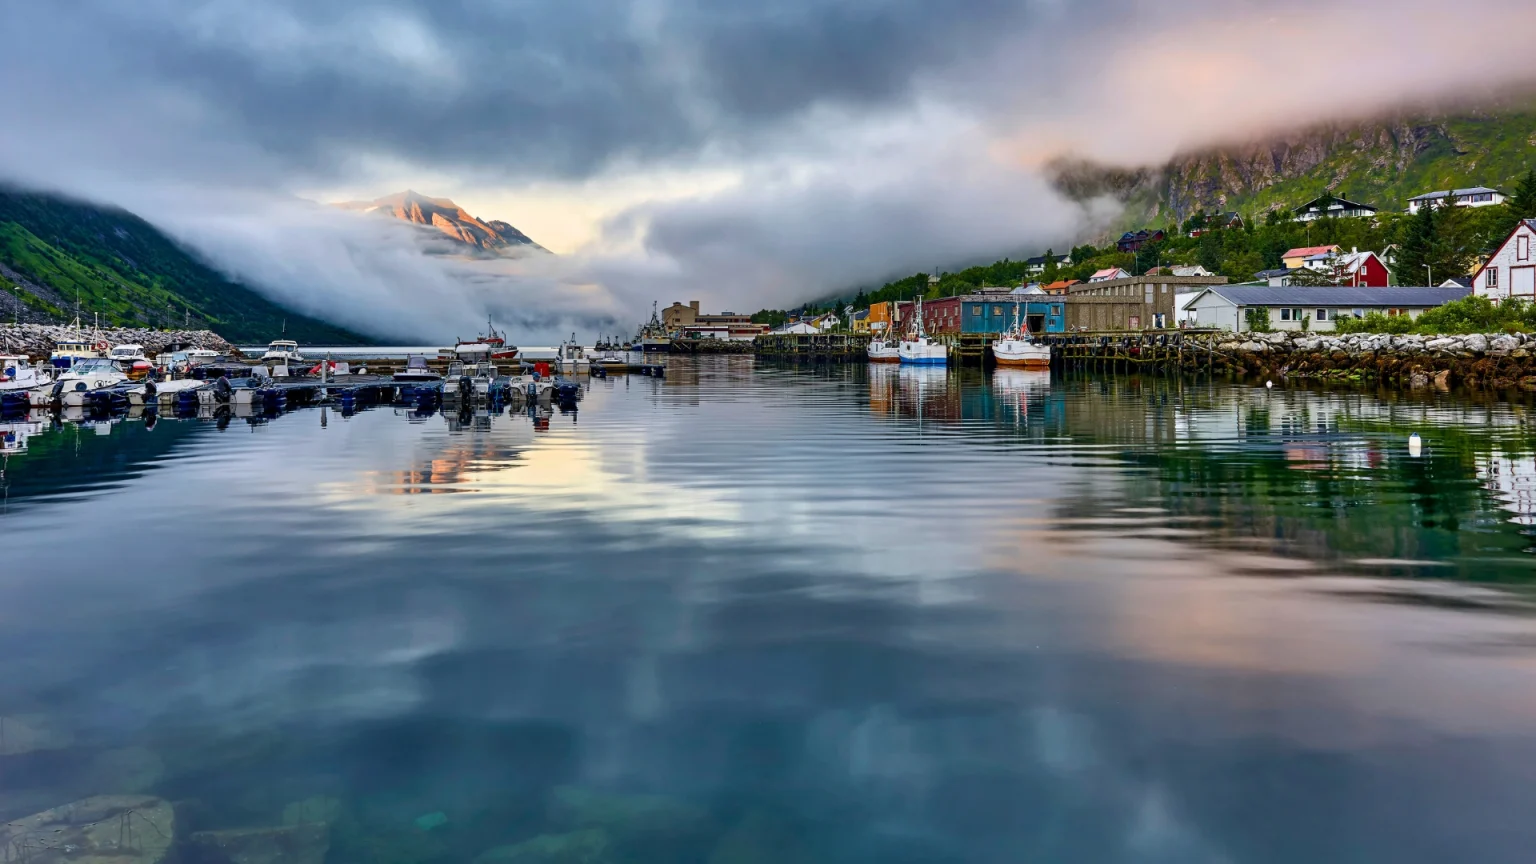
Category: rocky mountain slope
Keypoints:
(1382, 162)
(57, 256)
(491, 236)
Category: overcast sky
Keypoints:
(748, 154)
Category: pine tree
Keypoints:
(1413, 247)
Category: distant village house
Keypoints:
(1476, 196)
(1132, 241)
(1331, 207)
(1228, 307)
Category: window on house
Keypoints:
(976, 311)
(1522, 247)
(1285, 314)
(1322, 315)
(1491, 279)
(997, 310)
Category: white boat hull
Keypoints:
(923, 352)
(883, 352)
(1017, 352)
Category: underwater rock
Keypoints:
(428, 821)
(589, 846)
(104, 829)
(290, 844)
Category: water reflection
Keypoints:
(825, 614)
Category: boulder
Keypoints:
(290, 844)
(1442, 343)
(1477, 343)
(104, 829)
(1443, 379)
(1503, 344)
(1252, 347)
(1418, 378)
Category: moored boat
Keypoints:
(86, 376)
(416, 370)
(67, 352)
(882, 351)
(1018, 348)
(918, 349)
(284, 352)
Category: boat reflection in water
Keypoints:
(1016, 389)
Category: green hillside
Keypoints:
(64, 255)
(1382, 163)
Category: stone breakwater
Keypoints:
(37, 340)
(1488, 361)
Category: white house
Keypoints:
(1330, 207)
(1511, 271)
(1476, 196)
(1291, 307)
(801, 328)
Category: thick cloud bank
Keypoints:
(867, 138)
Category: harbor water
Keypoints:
(757, 613)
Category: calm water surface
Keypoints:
(774, 615)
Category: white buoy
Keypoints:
(1415, 444)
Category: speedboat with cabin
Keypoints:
(127, 353)
(284, 352)
(1018, 348)
(96, 373)
(917, 349)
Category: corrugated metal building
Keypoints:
(994, 314)
(1134, 303)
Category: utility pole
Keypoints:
(1430, 276)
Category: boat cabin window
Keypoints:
(93, 364)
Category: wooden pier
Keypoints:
(816, 347)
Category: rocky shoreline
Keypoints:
(1483, 361)
(38, 340)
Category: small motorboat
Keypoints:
(417, 371)
(492, 343)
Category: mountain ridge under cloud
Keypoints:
(491, 235)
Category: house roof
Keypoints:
(1270, 274)
(1460, 193)
(1524, 223)
(1334, 199)
(1041, 259)
(1194, 270)
(1058, 285)
(1457, 281)
(1108, 273)
(1028, 289)
(1297, 295)
(1309, 251)
(1353, 261)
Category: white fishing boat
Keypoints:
(468, 380)
(18, 373)
(95, 373)
(284, 352)
(917, 349)
(1018, 348)
(67, 352)
(881, 350)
